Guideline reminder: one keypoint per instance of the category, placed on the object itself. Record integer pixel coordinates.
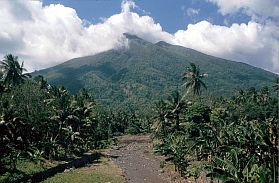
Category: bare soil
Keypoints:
(133, 155)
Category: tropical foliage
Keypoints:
(233, 139)
(193, 79)
(40, 121)
(12, 71)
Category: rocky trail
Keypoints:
(133, 155)
(130, 160)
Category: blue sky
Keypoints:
(171, 14)
(48, 32)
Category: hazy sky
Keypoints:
(45, 33)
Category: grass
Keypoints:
(101, 171)
(25, 168)
(104, 171)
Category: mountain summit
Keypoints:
(145, 71)
(131, 36)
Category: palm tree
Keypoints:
(176, 105)
(12, 70)
(1, 82)
(240, 97)
(160, 120)
(42, 82)
(1, 75)
(194, 79)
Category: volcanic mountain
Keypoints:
(143, 72)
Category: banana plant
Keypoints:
(177, 153)
(235, 169)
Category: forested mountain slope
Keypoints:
(144, 71)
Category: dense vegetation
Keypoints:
(232, 139)
(144, 72)
(41, 122)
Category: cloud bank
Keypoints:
(254, 8)
(44, 36)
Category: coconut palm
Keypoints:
(1, 75)
(12, 70)
(176, 105)
(42, 82)
(1, 82)
(193, 79)
(160, 120)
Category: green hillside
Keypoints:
(144, 71)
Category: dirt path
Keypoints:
(133, 155)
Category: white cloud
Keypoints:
(252, 43)
(191, 12)
(257, 42)
(47, 35)
(226, 22)
(127, 5)
(254, 8)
